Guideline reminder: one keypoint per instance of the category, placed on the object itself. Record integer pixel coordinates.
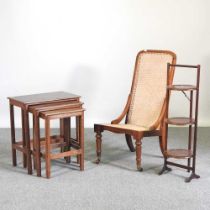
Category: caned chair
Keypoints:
(146, 104)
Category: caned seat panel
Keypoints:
(127, 127)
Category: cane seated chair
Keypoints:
(146, 104)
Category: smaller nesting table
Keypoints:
(69, 146)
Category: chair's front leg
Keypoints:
(138, 152)
(98, 146)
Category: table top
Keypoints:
(43, 98)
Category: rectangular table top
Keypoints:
(44, 97)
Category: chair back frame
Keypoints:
(159, 121)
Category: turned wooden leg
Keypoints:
(98, 146)
(12, 122)
(81, 142)
(138, 154)
(130, 142)
(47, 150)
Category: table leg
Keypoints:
(34, 145)
(62, 131)
(23, 139)
(47, 148)
(81, 141)
(67, 136)
(12, 123)
(27, 141)
(36, 139)
(77, 136)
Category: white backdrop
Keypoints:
(89, 48)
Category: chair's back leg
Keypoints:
(130, 142)
(162, 145)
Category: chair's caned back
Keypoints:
(148, 90)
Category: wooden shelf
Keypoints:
(178, 153)
(180, 121)
(182, 87)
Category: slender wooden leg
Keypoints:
(81, 142)
(130, 142)
(34, 146)
(189, 146)
(24, 139)
(62, 131)
(27, 140)
(193, 174)
(77, 136)
(98, 146)
(36, 137)
(190, 129)
(12, 123)
(67, 124)
(138, 154)
(69, 139)
(48, 146)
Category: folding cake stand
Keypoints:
(191, 121)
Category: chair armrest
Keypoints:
(118, 120)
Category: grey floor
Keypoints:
(114, 184)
